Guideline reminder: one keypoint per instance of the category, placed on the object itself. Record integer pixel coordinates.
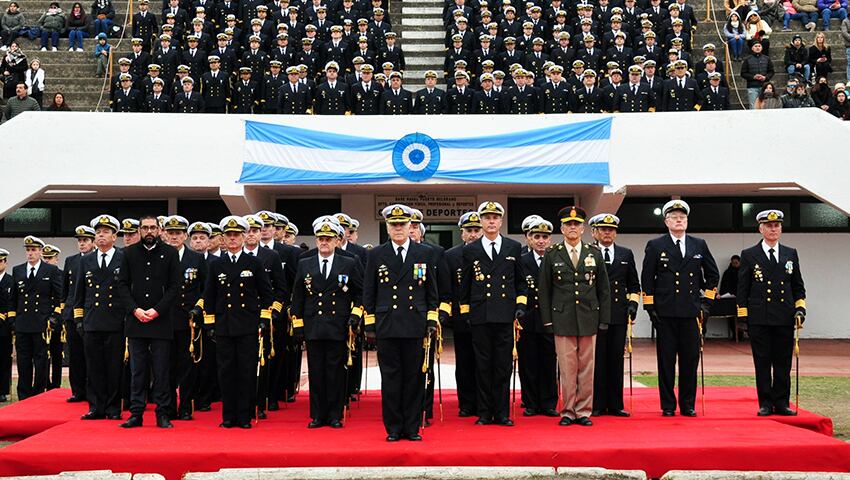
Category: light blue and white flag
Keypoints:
(569, 153)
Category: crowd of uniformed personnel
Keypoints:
(186, 314)
(342, 57)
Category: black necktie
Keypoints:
(607, 256)
(325, 267)
(400, 256)
(251, 253)
(493, 250)
(103, 261)
(772, 256)
(634, 89)
(32, 273)
(679, 248)
(233, 259)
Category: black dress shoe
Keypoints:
(226, 424)
(584, 422)
(352, 398)
(71, 399)
(132, 422)
(785, 411)
(427, 422)
(483, 421)
(203, 408)
(668, 413)
(505, 422)
(529, 412)
(464, 413)
(93, 416)
(690, 412)
(262, 415)
(113, 416)
(393, 437)
(619, 413)
(596, 413)
(245, 425)
(565, 422)
(290, 399)
(273, 407)
(765, 412)
(184, 416)
(335, 424)
(414, 437)
(163, 422)
(314, 424)
(551, 412)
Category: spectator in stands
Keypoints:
(741, 7)
(845, 35)
(103, 13)
(78, 27)
(13, 66)
(810, 8)
(11, 25)
(757, 70)
(796, 96)
(59, 104)
(822, 94)
(52, 25)
(729, 280)
(840, 106)
(101, 55)
(771, 11)
(797, 58)
(808, 19)
(768, 99)
(735, 36)
(34, 79)
(832, 8)
(758, 30)
(820, 55)
(20, 102)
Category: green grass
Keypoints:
(823, 395)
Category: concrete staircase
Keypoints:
(422, 35)
(72, 73)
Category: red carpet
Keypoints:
(730, 436)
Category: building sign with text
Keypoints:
(435, 208)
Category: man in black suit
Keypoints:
(676, 269)
(149, 283)
(85, 236)
(772, 313)
(98, 315)
(6, 328)
(611, 337)
(399, 323)
(186, 317)
(715, 96)
(34, 309)
(536, 346)
(237, 328)
(321, 279)
(680, 93)
(493, 299)
(294, 96)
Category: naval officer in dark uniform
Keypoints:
(76, 355)
(679, 279)
(400, 298)
(772, 297)
(611, 338)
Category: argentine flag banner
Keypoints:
(412, 149)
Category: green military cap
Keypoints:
(232, 223)
(469, 220)
(176, 222)
(766, 216)
(572, 214)
(200, 227)
(129, 225)
(674, 205)
(604, 220)
(491, 207)
(397, 213)
(50, 251)
(106, 221)
(31, 241)
(83, 231)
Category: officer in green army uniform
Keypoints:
(574, 298)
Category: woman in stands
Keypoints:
(822, 94)
(768, 98)
(11, 25)
(78, 27)
(820, 56)
(840, 106)
(758, 29)
(735, 34)
(58, 104)
(13, 66)
(103, 13)
(34, 79)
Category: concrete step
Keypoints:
(425, 61)
(408, 34)
(415, 48)
(423, 22)
(435, 11)
(423, 3)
